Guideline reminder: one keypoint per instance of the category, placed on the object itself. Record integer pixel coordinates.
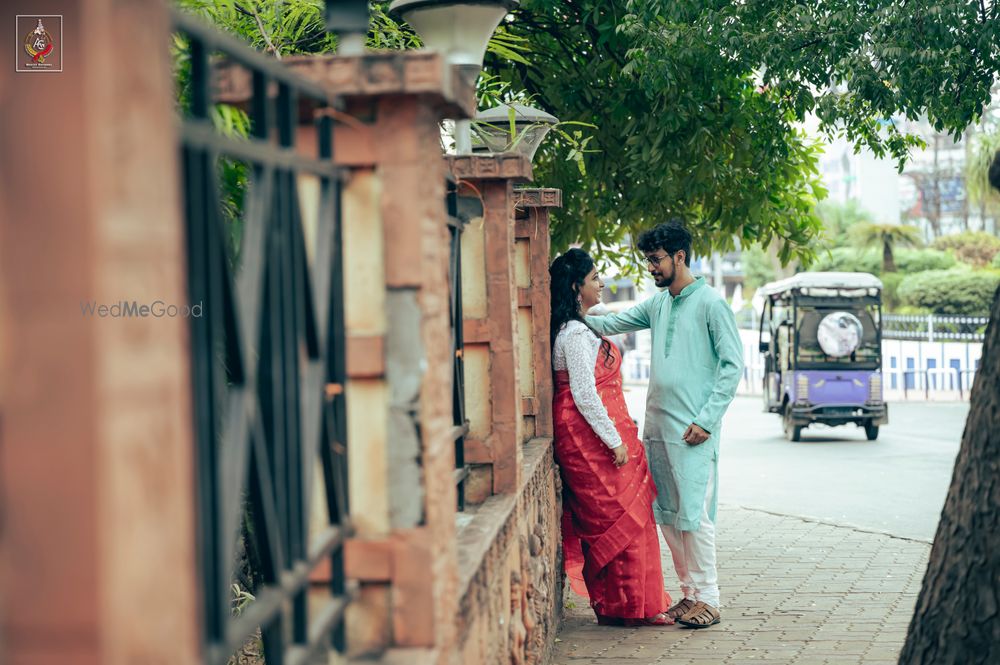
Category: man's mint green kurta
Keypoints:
(696, 364)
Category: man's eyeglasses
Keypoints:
(654, 261)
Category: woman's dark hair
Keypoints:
(670, 236)
(567, 274)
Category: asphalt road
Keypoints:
(896, 484)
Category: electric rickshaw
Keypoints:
(821, 336)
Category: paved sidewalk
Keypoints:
(793, 591)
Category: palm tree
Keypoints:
(888, 237)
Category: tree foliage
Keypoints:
(886, 237)
(698, 104)
(675, 135)
(973, 247)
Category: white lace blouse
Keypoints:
(576, 350)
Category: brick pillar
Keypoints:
(531, 232)
(97, 552)
(492, 378)
(396, 249)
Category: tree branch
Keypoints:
(260, 26)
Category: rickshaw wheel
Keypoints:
(871, 432)
(792, 432)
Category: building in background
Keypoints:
(849, 176)
(929, 193)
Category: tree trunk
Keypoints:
(957, 618)
(888, 260)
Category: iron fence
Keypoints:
(459, 422)
(268, 361)
(934, 328)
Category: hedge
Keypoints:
(976, 248)
(955, 292)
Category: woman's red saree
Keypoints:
(610, 543)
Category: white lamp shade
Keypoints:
(527, 141)
(530, 127)
(458, 30)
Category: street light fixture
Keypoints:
(348, 19)
(493, 127)
(460, 30)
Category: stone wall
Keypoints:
(510, 571)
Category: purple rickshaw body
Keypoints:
(833, 387)
(814, 372)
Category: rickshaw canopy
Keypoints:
(835, 281)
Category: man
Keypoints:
(697, 360)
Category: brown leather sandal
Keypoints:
(701, 615)
(680, 609)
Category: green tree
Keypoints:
(886, 237)
(698, 103)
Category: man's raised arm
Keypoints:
(633, 318)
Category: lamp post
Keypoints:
(531, 125)
(460, 30)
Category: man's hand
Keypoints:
(621, 455)
(694, 435)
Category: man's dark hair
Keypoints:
(671, 236)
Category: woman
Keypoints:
(610, 543)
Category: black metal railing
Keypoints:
(459, 422)
(268, 360)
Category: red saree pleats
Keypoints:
(610, 545)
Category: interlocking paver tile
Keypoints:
(794, 591)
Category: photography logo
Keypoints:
(39, 43)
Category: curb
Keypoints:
(816, 520)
